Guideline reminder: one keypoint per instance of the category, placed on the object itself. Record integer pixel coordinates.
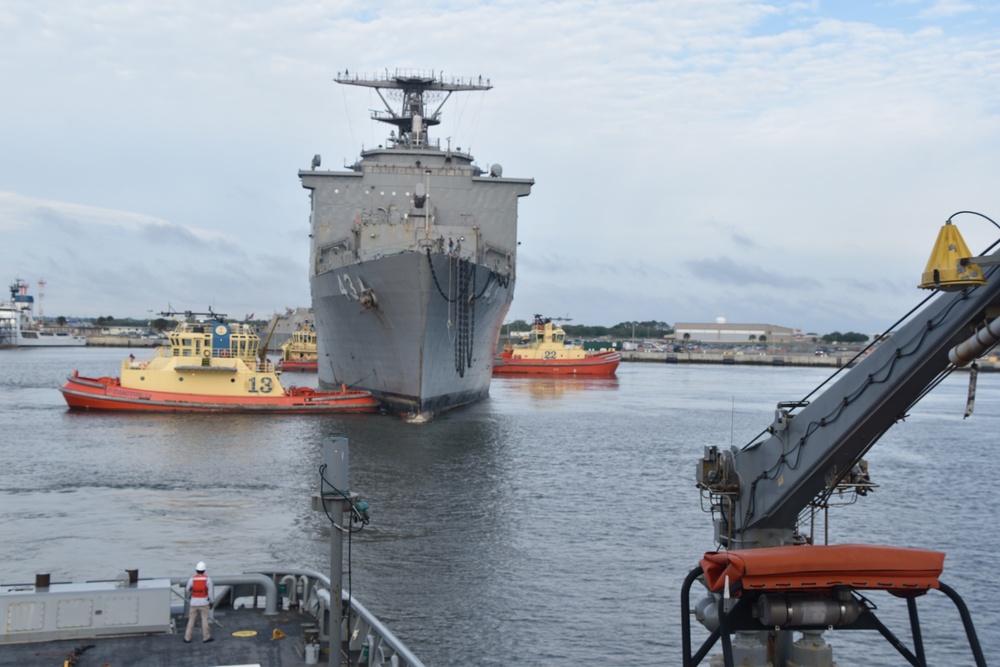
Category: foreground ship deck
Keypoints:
(240, 636)
(413, 257)
(273, 616)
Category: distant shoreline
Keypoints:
(988, 364)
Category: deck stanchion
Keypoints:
(335, 501)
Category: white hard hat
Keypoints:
(200, 567)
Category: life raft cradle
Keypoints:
(818, 573)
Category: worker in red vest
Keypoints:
(202, 592)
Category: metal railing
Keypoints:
(367, 637)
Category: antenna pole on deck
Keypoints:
(335, 500)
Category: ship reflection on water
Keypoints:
(554, 388)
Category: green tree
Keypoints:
(849, 337)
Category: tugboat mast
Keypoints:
(416, 90)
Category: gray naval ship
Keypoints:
(413, 256)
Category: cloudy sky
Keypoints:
(768, 161)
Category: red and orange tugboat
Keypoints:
(211, 366)
(299, 352)
(544, 352)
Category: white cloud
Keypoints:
(946, 8)
(98, 261)
(18, 211)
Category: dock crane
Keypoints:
(769, 579)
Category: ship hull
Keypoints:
(46, 339)
(106, 393)
(602, 365)
(19, 329)
(413, 255)
(16, 330)
(426, 344)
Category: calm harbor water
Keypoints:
(552, 523)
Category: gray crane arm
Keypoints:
(764, 486)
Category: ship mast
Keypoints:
(41, 295)
(414, 90)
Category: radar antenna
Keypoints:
(415, 89)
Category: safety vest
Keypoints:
(199, 586)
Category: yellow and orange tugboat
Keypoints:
(210, 366)
(299, 353)
(544, 352)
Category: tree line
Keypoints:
(655, 329)
(849, 337)
(647, 329)
(650, 329)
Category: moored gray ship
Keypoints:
(413, 256)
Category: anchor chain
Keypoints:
(464, 297)
(502, 279)
(465, 315)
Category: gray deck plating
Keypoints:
(169, 650)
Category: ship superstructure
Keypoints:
(413, 256)
(298, 353)
(18, 327)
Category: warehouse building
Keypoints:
(721, 331)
